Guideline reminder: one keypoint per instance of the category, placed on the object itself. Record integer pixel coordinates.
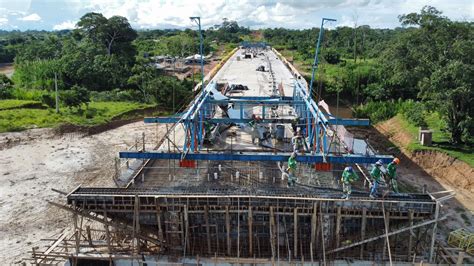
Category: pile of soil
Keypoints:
(440, 165)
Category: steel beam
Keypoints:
(318, 158)
(333, 121)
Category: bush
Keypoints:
(6, 86)
(75, 97)
(414, 112)
(49, 100)
(28, 94)
(332, 56)
(5, 93)
(117, 95)
(378, 111)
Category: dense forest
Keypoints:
(423, 67)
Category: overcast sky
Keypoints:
(152, 14)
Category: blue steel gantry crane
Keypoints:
(203, 109)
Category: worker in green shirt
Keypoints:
(348, 176)
(392, 174)
(376, 175)
(291, 170)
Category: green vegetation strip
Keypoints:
(96, 114)
(463, 152)
(14, 104)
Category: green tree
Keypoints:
(441, 67)
(115, 33)
(143, 72)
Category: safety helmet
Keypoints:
(396, 160)
(348, 169)
(379, 163)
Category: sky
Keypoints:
(161, 14)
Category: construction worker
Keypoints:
(376, 175)
(392, 174)
(348, 176)
(298, 142)
(256, 134)
(291, 170)
(294, 124)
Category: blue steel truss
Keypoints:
(315, 122)
(202, 110)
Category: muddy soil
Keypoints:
(35, 161)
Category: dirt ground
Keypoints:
(35, 161)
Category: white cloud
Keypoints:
(31, 17)
(252, 13)
(3, 21)
(65, 25)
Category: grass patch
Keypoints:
(96, 114)
(463, 152)
(13, 104)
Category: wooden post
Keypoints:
(322, 233)
(410, 237)
(250, 218)
(76, 235)
(362, 231)
(227, 225)
(460, 258)
(186, 228)
(386, 245)
(338, 227)
(206, 218)
(295, 232)
(182, 229)
(89, 236)
(158, 220)
(314, 223)
(136, 225)
(433, 233)
(272, 233)
(107, 233)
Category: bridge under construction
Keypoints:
(213, 189)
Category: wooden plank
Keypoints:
(55, 244)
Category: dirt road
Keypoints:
(39, 161)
